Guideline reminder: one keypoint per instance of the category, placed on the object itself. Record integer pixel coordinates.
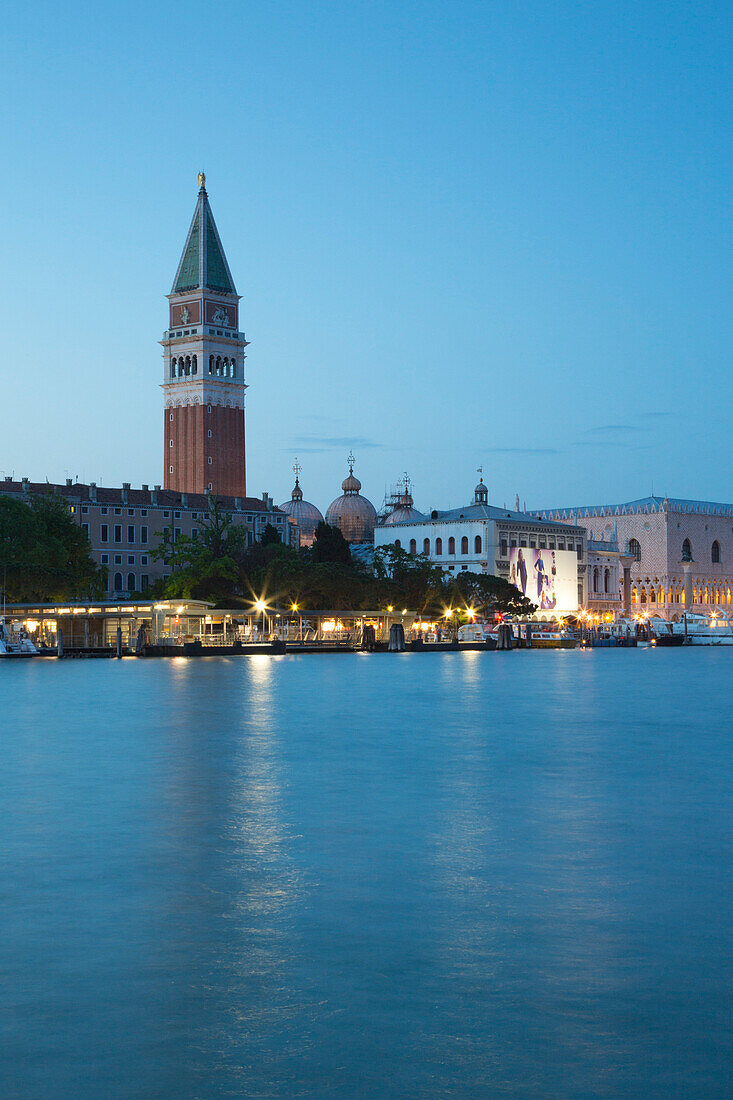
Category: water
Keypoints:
(350, 876)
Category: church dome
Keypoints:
(404, 511)
(353, 514)
(305, 514)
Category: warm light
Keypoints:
(404, 610)
(181, 609)
(293, 607)
(31, 625)
(389, 607)
(448, 614)
(260, 605)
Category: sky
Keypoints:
(465, 234)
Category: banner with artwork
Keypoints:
(549, 578)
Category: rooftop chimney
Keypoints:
(69, 482)
(154, 495)
(184, 500)
(93, 491)
(125, 491)
(145, 488)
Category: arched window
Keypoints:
(464, 544)
(477, 545)
(687, 550)
(173, 368)
(606, 580)
(635, 548)
(218, 366)
(117, 584)
(398, 544)
(595, 578)
(232, 368)
(652, 596)
(211, 364)
(438, 547)
(130, 582)
(225, 366)
(634, 596)
(194, 365)
(188, 365)
(451, 545)
(413, 546)
(426, 546)
(643, 595)
(715, 554)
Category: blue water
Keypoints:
(348, 876)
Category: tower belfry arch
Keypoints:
(203, 355)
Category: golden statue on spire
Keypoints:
(202, 180)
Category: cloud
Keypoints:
(610, 429)
(523, 450)
(317, 444)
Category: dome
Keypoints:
(305, 514)
(403, 514)
(353, 514)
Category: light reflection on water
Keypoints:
(411, 875)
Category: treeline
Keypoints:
(44, 553)
(219, 566)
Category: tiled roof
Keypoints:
(203, 263)
(476, 512)
(643, 505)
(145, 498)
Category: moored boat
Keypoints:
(15, 643)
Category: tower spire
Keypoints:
(203, 264)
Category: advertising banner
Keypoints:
(549, 578)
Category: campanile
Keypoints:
(203, 355)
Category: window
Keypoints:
(451, 545)
(397, 543)
(176, 533)
(209, 460)
(561, 544)
(131, 532)
(170, 442)
(85, 528)
(117, 585)
(607, 580)
(209, 433)
(131, 511)
(130, 559)
(118, 511)
(143, 534)
(84, 509)
(166, 515)
(194, 515)
(438, 547)
(131, 582)
(580, 551)
(413, 546)
(176, 515)
(144, 581)
(103, 511)
(143, 559)
(543, 542)
(523, 544)
(118, 559)
(533, 542)
(104, 533)
(464, 544)
(105, 559)
(170, 416)
(209, 408)
(504, 547)
(716, 553)
(426, 546)
(477, 545)
(143, 511)
(635, 549)
(118, 532)
(595, 578)
(170, 469)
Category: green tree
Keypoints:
(330, 545)
(488, 594)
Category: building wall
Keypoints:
(125, 525)
(204, 447)
(657, 577)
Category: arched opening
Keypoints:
(426, 546)
(117, 583)
(687, 550)
(451, 545)
(398, 544)
(464, 544)
(715, 553)
(194, 365)
(438, 547)
(232, 368)
(211, 364)
(413, 546)
(652, 596)
(477, 545)
(130, 582)
(660, 598)
(642, 596)
(595, 578)
(607, 580)
(173, 368)
(635, 548)
(634, 596)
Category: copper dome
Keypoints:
(305, 514)
(353, 514)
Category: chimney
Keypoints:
(267, 501)
(24, 484)
(238, 503)
(145, 488)
(154, 495)
(184, 500)
(9, 478)
(93, 491)
(69, 482)
(125, 491)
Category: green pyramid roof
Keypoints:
(203, 263)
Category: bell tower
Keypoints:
(203, 356)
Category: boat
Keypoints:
(552, 637)
(713, 629)
(15, 643)
(663, 635)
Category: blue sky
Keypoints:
(465, 234)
